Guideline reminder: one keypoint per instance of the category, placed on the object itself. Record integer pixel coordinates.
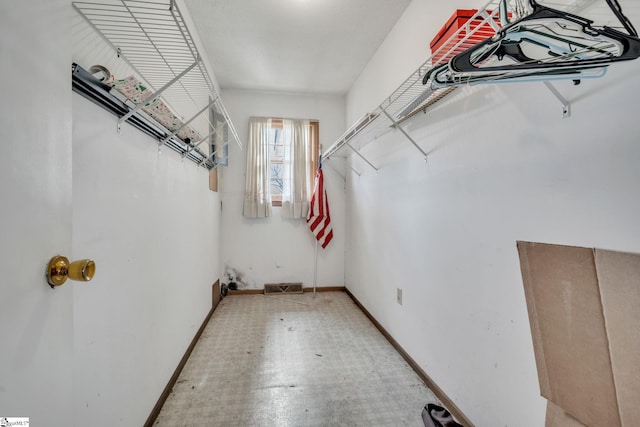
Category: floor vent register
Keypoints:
(283, 288)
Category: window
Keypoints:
(282, 158)
(279, 142)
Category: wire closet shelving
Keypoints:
(153, 39)
(412, 97)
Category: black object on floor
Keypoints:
(437, 416)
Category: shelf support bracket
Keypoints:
(397, 126)
(566, 106)
(156, 94)
(360, 155)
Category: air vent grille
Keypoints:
(283, 288)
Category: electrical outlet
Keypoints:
(399, 296)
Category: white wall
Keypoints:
(503, 166)
(277, 250)
(151, 224)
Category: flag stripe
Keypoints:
(319, 219)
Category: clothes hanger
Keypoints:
(542, 46)
(617, 10)
(531, 29)
(444, 75)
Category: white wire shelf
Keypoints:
(153, 39)
(412, 97)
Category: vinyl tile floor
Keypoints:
(294, 360)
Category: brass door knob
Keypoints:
(59, 270)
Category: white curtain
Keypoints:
(297, 160)
(257, 194)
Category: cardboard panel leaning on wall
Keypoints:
(585, 324)
(567, 323)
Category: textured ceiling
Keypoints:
(309, 46)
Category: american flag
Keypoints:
(318, 217)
